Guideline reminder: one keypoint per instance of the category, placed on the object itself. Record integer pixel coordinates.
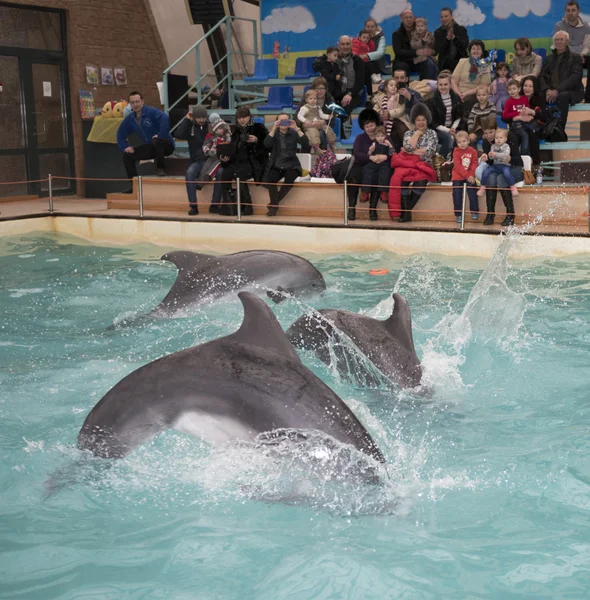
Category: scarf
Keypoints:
(473, 69)
(347, 72)
(523, 65)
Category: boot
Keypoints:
(374, 200)
(509, 204)
(352, 196)
(406, 215)
(246, 209)
(491, 206)
(228, 204)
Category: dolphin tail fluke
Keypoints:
(75, 472)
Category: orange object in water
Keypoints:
(378, 272)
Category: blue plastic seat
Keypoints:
(500, 56)
(258, 120)
(336, 126)
(278, 98)
(265, 68)
(303, 68)
(540, 52)
(501, 124)
(356, 130)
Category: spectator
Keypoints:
(469, 73)
(464, 165)
(247, 160)
(422, 38)
(283, 162)
(368, 121)
(497, 182)
(153, 127)
(499, 154)
(412, 164)
(411, 97)
(579, 37)
(450, 41)
(352, 71)
(532, 116)
(391, 107)
(561, 77)
(525, 61)
(327, 66)
(404, 53)
(482, 109)
(377, 171)
(499, 89)
(378, 57)
(513, 111)
(194, 129)
(361, 45)
(320, 85)
(447, 112)
(310, 113)
(220, 133)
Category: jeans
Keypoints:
(523, 135)
(192, 175)
(376, 174)
(458, 197)
(446, 141)
(503, 170)
(498, 181)
(274, 175)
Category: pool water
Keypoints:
(488, 477)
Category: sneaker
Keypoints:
(376, 78)
(193, 211)
(364, 197)
(458, 219)
(474, 217)
(514, 190)
(481, 191)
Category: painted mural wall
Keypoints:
(306, 27)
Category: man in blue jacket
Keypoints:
(153, 127)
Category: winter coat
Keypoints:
(254, 153)
(400, 42)
(272, 144)
(450, 51)
(569, 74)
(329, 71)
(195, 135)
(439, 112)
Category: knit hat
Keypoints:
(368, 115)
(420, 110)
(199, 112)
(215, 122)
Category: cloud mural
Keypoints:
(520, 8)
(385, 9)
(467, 14)
(296, 19)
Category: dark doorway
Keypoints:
(35, 110)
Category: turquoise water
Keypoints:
(489, 474)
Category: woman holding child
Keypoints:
(320, 85)
(470, 73)
(412, 164)
(391, 107)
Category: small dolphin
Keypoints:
(238, 387)
(205, 277)
(388, 344)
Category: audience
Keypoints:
(469, 73)
(377, 172)
(464, 165)
(532, 116)
(422, 38)
(412, 164)
(378, 61)
(499, 156)
(499, 88)
(561, 77)
(482, 109)
(352, 76)
(412, 97)
(219, 134)
(311, 114)
(327, 66)
(513, 111)
(320, 86)
(446, 109)
(579, 37)
(450, 41)
(525, 61)
(390, 105)
(402, 48)
(283, 163)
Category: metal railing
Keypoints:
(201, 77)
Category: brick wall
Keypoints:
(109, 33)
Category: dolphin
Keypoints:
(388, 344)
(243, 386)
(203, 277)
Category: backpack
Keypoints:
(341, 170)
(550, 129)
(323, 165)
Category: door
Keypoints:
(35, 109)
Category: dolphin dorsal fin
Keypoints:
(186, 261)
(261, 328)
(400, 321)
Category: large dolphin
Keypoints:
(388, 344)
(205, 277)
(237, 387)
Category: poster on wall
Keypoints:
(120, 76)
(92, 75)
(106, 76)
(297, 28)
(87, 108)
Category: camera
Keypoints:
(244, 137)
(285, 123)
(401, 85)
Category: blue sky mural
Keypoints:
(305, 25)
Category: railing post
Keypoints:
(140, 194)
(229, 67)
(239, 199)
(345, 202)
(198, 80)
(589, 210)
(463, 206)
(50, 188)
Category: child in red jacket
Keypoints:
(464, 165)
(362, 45)
(512, 115)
